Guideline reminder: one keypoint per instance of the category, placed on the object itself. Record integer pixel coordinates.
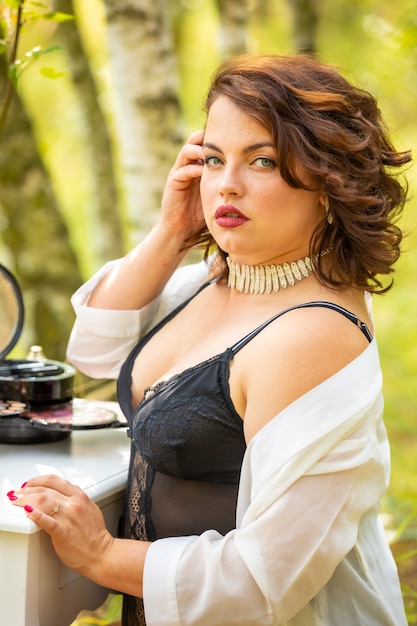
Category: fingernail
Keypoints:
(24, 484)
(28, 508)
(11, 495)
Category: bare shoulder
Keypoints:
(293, 355)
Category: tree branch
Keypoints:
(9, 83)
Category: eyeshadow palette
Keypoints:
(79, 414)
(20, 423)
(9, 408)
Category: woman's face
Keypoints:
(252, 213)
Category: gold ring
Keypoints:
(54, 510)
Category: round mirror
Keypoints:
(11, 312)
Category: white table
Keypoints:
(36, 589)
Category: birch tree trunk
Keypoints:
(305, 14)
(233, 27)
(107, 238)
(34, 240)
(147, 109)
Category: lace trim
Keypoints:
(171, 380)
(136, 527)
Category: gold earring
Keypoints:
(329, 216)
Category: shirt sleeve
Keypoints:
(101, 339)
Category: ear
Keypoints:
(322, 199)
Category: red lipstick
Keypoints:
(229, 216)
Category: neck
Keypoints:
(259, 279)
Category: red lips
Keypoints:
(229, 216)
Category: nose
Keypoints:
(231, 182)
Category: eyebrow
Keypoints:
(251, 148)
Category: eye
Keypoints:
(212, 160)
(265, 162)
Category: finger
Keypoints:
(51, 482)
(42, 499)
(190, 153)
(196, 137)
(47, 521)
(183, 177)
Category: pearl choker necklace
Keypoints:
(254, 279)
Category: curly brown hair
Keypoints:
(336, 131)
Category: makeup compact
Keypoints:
(36, 393)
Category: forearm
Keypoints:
(142, 274)
(122, 567)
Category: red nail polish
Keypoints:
(24, 484)
(28, 508)
(11, 496)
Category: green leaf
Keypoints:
(37, 52)
(52, 73)
(13, 74)
(58, 17)
(34, 53)
(52, 49)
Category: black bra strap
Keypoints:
(328, 305)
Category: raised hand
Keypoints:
(181, 203)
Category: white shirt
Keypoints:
(309, 548)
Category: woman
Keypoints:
(256, 377)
